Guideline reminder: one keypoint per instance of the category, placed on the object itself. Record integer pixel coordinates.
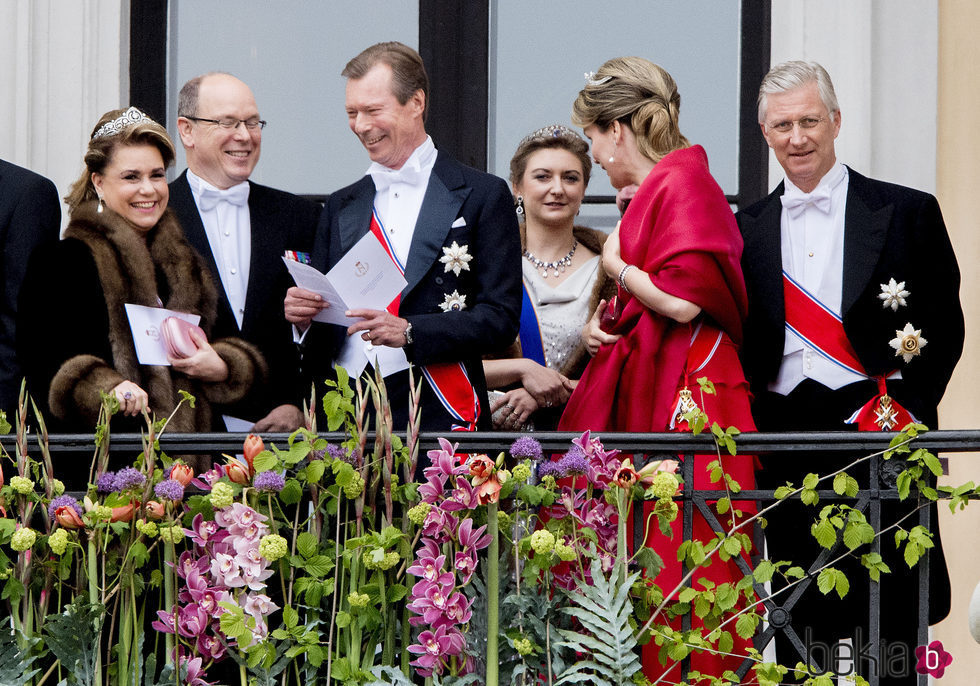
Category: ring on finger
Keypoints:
(128, 395)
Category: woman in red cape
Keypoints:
(681, 303)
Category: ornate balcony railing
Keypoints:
(880, 487)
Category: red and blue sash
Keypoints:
(532, 346)
(448, 380)
(822, 329)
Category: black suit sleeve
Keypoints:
(30, 217)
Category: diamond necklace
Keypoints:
(558, 266)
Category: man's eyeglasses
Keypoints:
(232, 122)
(804, 123)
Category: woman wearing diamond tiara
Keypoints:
(122, 245)
(549, 174)
(680, 306)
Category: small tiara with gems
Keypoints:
(551, 131)
(129, 118)
(591, 80)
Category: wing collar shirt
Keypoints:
(228, 226)
(399, 194)
(812, 239)
(398, 201)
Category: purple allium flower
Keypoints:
(526, 447)
(573, 462)
(338, 452)
(129, 477)
(549, 469)
(64, 501)
(169, 489)
(269, 481)
(106, 483)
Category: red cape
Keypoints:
(680, 230)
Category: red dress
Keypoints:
(680, 230)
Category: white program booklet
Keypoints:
(365, 277)
(145, 323)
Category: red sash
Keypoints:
(448, 380)
(704, 342)
(823, 330)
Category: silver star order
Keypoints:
(456, 258)
(453, 302)
(908, 342)
(893, 295)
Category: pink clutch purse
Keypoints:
(177, 337)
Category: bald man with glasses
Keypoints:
(242, 229)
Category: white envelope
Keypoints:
(145, 323)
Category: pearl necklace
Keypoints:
(558, 266)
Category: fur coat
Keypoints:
(76, 341)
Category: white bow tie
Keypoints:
(236, 195)
(796, 201)
(384, 177)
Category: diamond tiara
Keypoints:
(129, 118)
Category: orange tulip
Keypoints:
(155, 509)
(182, 473)
(481, 467)
(68, 518)
(253, 446)
(651, 469)
(626, 476)
(123, 513)
(488, 491)
(238, 472)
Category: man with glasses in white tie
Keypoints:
(451, 230)
(242, 229)
(854, 324)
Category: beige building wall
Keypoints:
(957, 175)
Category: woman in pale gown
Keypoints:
(563, 282)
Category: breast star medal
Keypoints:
(893, 295)
(456, 258)
(453, 302)
(908, 343)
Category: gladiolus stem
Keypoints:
(169, 594)
(493, 594)
(93, 596)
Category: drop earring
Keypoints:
(101, 206)
(611, 159)
(520, 206)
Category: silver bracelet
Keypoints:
(622, 277)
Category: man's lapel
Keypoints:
(440, 208)
(763, 242)
(354, 216)
(865, 230)
(261, 275)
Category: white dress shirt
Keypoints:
(228, 226)
(812, 237)
(398, 201)
(399, 195)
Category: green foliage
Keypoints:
(604, 610)
(16, 658)
(73, 637)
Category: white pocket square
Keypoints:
(459, 223)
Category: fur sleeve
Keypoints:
(77, 386)
(247, 369)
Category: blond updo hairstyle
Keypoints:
(101, 149)
(639, 94)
